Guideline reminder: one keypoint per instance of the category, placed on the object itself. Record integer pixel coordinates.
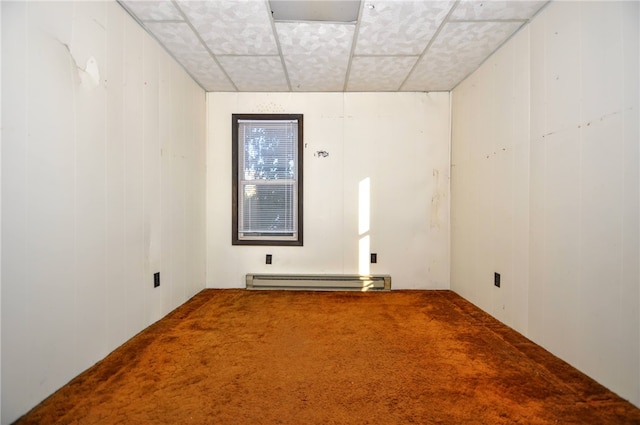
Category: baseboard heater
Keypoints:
(322, 282)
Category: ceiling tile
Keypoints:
(255, 73)
(492, 10)
(182, 43)
(146, 10)
(458, 50)
(232, 27)
(316, 54)
(399, 27)
(312, 38)
(312, 73)
(379, 73)
(229, 45)
(176, 36)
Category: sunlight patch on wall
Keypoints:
(364, 223)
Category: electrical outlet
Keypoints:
(269, 259)
(496, 279)
(374, 258)
(156, 280)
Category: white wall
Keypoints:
(103, 176)
(545, 184)
(0, 214)
(400, 141)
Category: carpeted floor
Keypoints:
(400, 357)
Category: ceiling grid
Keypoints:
(392, 45)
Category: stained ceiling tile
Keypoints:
(182, 43)
(399, 27)
(146, 10)
(495, 10)
(459, 49)
(255, 73)
(232, 27)
(379, 73)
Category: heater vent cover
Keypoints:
(323, 282)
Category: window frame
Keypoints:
(265, 240)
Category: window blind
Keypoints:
(268, 174)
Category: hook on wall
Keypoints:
(322, 154)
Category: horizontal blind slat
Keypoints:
(268, 155)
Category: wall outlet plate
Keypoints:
(374, 258)
(496, 279)
(156, 280)
(269, 259)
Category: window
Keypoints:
(267, 179)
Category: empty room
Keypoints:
(320, 212)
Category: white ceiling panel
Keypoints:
(146, 10)
(389, 27)
(495, 10)
(379, 73)
(207, 73)
(403, 45)
(460, 48)
(255, 73)
(316, 54)
(182, 43)
(233, 27)
(312, 73)
(315, 38)
(177, 37)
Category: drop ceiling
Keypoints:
(392, 45)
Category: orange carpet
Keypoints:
(272, 357)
